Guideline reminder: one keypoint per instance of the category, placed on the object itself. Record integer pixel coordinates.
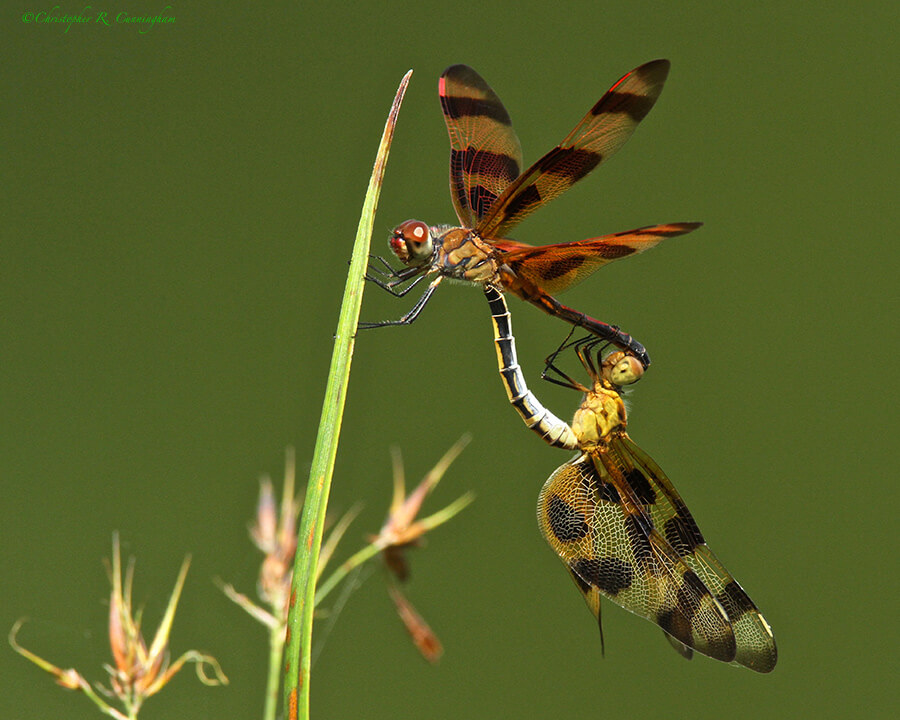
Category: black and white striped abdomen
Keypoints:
(554, 431)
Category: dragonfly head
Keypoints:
(411, 242)
(621, 369)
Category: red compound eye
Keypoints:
(415, 232)
(411, 241)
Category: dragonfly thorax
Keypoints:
(601, 412)
(455, 252)
(461, 254)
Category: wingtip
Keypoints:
(460, 70)
(454, 68)
(683, 228)
(656, 69)
(463, 75)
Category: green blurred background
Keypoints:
(177, 215)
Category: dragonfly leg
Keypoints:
(565, 344)
(583, 349)
(412, 314)
(536, 296)
(550, 366)
(389, 278)
(391, 285)
(388, 269)
(603, 331)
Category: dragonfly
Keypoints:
(491, 196)
(616, 521)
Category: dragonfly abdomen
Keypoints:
(552, 430)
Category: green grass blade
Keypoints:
(300, 617)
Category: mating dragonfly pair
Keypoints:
(611, 514)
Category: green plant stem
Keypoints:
(273, 681)
(346, 567)
(309, 540)
(105, 708)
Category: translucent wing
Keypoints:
(603, 130)
(555, 268)
(755, 642)
(591, 517)
(485, 154)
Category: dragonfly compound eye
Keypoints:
(622, 369)
(411, 241)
